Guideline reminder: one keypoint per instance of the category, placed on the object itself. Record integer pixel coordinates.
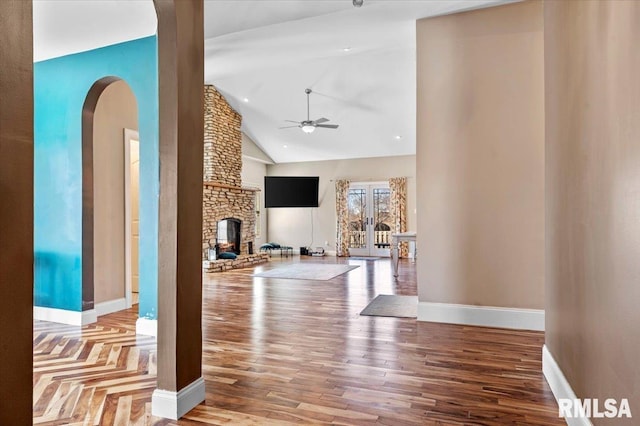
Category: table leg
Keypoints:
(395, 258)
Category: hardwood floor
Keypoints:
(279, 351)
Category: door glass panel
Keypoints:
(357, 218)
(381, 217)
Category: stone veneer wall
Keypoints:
(223, 196)
(222, 140)
(221, 202)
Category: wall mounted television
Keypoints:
(291, 191)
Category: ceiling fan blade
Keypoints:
(291, 121)
(328, 126)
(287, 127)
(320, 120)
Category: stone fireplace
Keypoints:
(228, 208)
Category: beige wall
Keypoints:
(253, 173)
(254, 169)
(293, 226)
(592, 65)
(480, 157)
(116, 110)
(252, 150)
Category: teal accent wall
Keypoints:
(61, 86)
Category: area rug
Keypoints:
(307, 271)
(386, 305)
(364, 258)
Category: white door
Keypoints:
(135, 215)
(369, 219)
(132, 215)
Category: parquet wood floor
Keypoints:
(281, 351)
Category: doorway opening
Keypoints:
(108, 250)
(369, 219)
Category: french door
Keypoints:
(369, 219)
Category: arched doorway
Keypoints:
(110, 108)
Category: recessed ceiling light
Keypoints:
(398, 137)
(284, 146)
(246, 99)
(346, 49)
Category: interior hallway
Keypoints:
(281, 350)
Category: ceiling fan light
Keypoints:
(308, 128)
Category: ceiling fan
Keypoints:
(308, 125)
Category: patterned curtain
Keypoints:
(342, 213)
(398, 188)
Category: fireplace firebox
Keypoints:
(228, 235)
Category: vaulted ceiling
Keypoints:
(262, 54)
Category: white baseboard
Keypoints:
(559, 385)
(64, 316)
(173, 405)
(487, 316)
(147, 327)
(104, 308)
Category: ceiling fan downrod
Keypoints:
(308, 92)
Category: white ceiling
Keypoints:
(269, 51)
(61, 27)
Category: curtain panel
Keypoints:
(342, 214)
(398, 187)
